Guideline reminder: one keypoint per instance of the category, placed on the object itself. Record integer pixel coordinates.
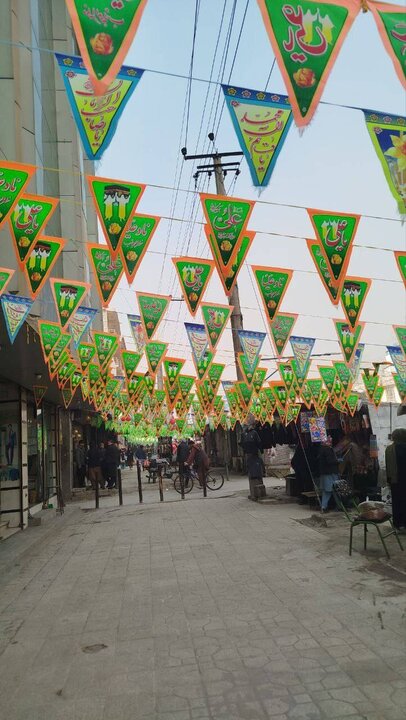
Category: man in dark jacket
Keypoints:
(112, 461)
(252, 447)
(94, 461)
(182, 455)
(328, 472)
(395, 460)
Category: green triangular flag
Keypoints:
(104, 32)
(106, 345)
(227, 220)
(323, 271)
(107, 271)
(14, 178)
(135, 242)
(172, 367)
(353, 294)
(348, 338)
(272, 285)
(115, 202)
(152, 309)
(68, 295)
(155, 351)
(335, 233)
(306, 39)
(130, 362)
(194, 275)
(281, 328)
(29, 216)
(215, 319)
(86, 352)
(391, 23)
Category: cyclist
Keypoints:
(199, 460)
(182, 455)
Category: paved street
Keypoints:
(216, 608)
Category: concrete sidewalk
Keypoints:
(215, 609)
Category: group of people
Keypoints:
(99, 464)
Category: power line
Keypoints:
(25, 46)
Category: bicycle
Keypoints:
(190, 477)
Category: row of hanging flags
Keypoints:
(132, 400)
(306, 38)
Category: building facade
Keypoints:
(37, 127)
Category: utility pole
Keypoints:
(220, 169)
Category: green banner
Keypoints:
(86, 352)
(94, 374)
(67, 396)
(281, 328)
(229, 277)
(400, 331)
(68, 295)
(155, 351)
(130, 362)
(335, 232)
(106, 345)
(14, 178)
(194, 275)
(370, 383)
(149, 381)
(323, 270)
(104, 31)
(344, 374)
(107, 271)
(227, 219)
(391, 23)
(185, 385)
(287, 374)
(401, 261)
(378, 394)
(352, 402)
(306, 395)
(172, 367)
(215, 318)
(328, 375)
(5, 276)
(258, 379)
(152, 309)
(388, 135)
(115, 202)
(214, 375)
(245, 393)
(400, 386)
(203, 365)
(348, 338)
(247, 369)
(135, 243)
(306, 38)
(40, 262)
(353, 294)
(58, 356)
(272, 284)
(49, 334)
(29, 216)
